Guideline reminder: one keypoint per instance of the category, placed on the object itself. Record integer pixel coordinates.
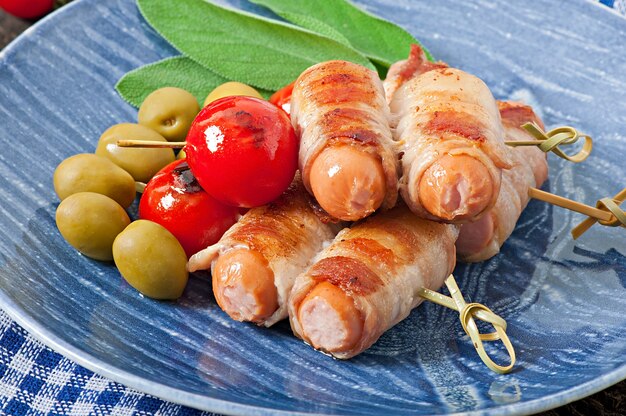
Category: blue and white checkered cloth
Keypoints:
(36, 381)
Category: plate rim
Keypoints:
(211, 404)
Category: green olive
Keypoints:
(181, 155)
(231, 88)
(89, 222)
(151, 260)
(141, 163)
(87, 172)
(170, 112)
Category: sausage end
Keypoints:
(243, 285)
(330, 321)
(347, 182)
(456, 188)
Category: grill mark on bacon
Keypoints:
(276, 235)
(342, 94)
(514, 114)
(405, 238)
(350, 275)
(395, 229)
(349, 123)
(340, 78)
(274, 231)
(455, 122)
(341, 87)
(369, 248)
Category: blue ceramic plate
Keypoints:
(565, 301)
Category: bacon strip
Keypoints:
(278, 240)
(339, 108)
(450, 138)
(482, 240)
(367, 280)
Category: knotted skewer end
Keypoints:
(468, 312)
(611, 205)
(551, 140)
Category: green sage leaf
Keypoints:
(241, 46)
(179, 72)
(317, 26)
(378, 39)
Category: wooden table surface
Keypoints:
(610, 402)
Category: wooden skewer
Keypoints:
(516, 143)
(604, 216)
(566, 203)
(154, 143)
(150, 144)
(611, 215)
(140, 187)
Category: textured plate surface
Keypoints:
(564, 301)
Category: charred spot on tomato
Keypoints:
(185, 180)
(253, 125)
(183, 166)
(175, 199)
(243, 117)
(258, 137)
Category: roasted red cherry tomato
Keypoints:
(27, 9)
(243, 151)
(282, 98)
(174, 199)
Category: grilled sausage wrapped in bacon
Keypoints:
(255, 263)
(347, 155)
(367, 280)
(482, 239)
(450, 137)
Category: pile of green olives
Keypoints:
(97, 188)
